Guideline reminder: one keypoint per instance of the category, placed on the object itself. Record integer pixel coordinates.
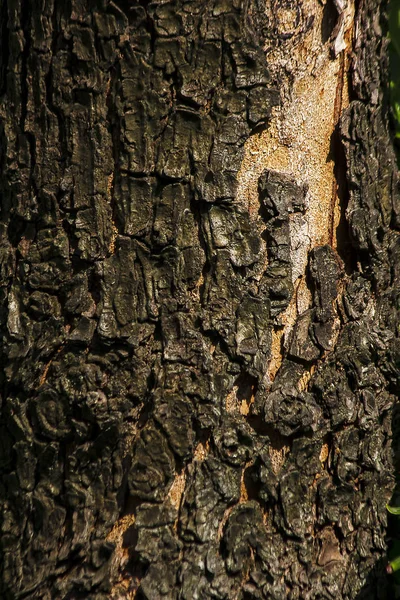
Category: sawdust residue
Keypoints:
(241, 397)
(176, 490)
(323, 455)
(121, 526)
(278, 451)
(201, 451)
(124, 587)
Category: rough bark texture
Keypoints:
(146, 452)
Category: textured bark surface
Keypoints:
(147, 448)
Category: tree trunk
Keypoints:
(200, 265)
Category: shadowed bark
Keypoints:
(185, 412)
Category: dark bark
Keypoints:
(145, 452)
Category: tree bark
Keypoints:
(199, 270)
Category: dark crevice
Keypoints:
(199, 210)
(345, 246)
(329, 20)
(25, 26)
(62, 120)
(4, 46)
(115, 132)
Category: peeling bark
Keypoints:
(199, 250)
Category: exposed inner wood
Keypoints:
(299, 141)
